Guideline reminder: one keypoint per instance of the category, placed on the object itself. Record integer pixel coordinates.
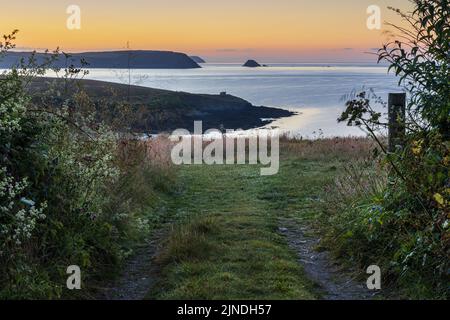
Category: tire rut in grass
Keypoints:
(139, 274)
(335, 283)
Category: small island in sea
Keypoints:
(251, 64)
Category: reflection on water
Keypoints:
(315, 90)
(314, 123)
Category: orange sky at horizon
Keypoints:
(232, 30)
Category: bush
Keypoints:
(68, 196)
(402, 225)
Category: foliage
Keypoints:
(405, 224)
(64, 188)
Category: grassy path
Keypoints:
(228, 243)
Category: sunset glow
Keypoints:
(281, 30)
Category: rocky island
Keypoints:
(251, 64)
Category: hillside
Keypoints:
(111, 59)
(159, 110)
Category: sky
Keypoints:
(219, 31)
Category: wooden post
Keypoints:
(397, 113)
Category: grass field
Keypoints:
(228, 245)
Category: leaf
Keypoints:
(439, 199)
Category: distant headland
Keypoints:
(198, 59)
(135, 59)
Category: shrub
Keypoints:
(402, 225)
(68, 196)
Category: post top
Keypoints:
(397, 98)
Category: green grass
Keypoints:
(228, 245)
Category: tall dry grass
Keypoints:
(353, 148)
(154, 152)
(147, 174)
(157, 151)
(359, 178)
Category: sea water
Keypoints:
(316, 91)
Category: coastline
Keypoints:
(162, 111)
(316, 91)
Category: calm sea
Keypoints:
(314, 90)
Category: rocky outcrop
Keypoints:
(251, 64)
